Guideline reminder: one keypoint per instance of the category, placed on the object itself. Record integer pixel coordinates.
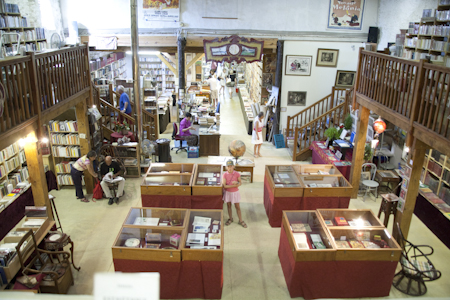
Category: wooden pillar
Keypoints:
(358, 76)
(37, 175)
(36, 96)
(418, 157)
(181, 45)
(358, 150)
(83, 132)
(91, 95)
(278, 79)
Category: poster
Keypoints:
(346, 14)
(161, 10)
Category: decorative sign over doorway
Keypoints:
(233, 48)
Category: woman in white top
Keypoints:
(257, 138)
(82, 164)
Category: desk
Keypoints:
(209, 141)
(326, 157)
(388, 177)
(244, 164)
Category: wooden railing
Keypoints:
(150, 125)
(110, 115)
(315, 130)
(388, 80)
(20, 101)
(319, 108)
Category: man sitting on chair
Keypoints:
(110, 166)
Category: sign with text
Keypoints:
(161, 10)
(346, 14)
(233, 48)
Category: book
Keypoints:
(301, 240)
(342, 244)
(356, 244)
(329, 223)
(214, 239)
(340, 221)
(317, 241)
(300, 227)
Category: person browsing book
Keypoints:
(82, 164)
(185, 127)
(257, 138)
(231, 182)
(110, 171)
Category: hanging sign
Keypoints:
(345, 14)
(161, 10)
(233, 48)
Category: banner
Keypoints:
(346, 14)
(161, 10)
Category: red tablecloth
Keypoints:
(275, 205)
(207, 202)
(115, 136)
(311, 203)
(11, 215)
(334, 279)
(171, 201)
(320, 156)
(181, 280)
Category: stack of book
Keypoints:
(71, 139)
(57, 126)
(64, 167)
(66, 151)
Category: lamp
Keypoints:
(379, 126)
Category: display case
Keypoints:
(307, 236)
(204, 240)
(160, 217)
(314, 169)
(349, 218)
(207, 188)
(284, 181)
(167, 185)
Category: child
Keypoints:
(231, 181)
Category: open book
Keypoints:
(109, 178)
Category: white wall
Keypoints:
(394, 15)
(322, 79)
(280, 15)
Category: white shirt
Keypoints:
(213, 83)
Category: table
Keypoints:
(209, 142)
(325, 156)
(388, 177)
(117, 135)
(244, 164)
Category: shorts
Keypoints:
(214, 94)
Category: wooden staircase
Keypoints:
(310, 124)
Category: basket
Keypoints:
(279, 141)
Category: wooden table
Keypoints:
(389, 177)
(209, 143)
(244, 164)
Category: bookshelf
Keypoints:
(11, 21)
(129, 154)
(430, 36)
(253, 78)
(65, 149)
(12, 170)
(436, 174)
(159, 74)
(106, 69)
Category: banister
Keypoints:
(126, 116)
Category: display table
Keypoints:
(209, 139)
(207, 188)
(325, 156)
(389, 178)
(244, 164)
(184, 272)
(303, 187)
(117, 135)
(167, 185)
(333, 272)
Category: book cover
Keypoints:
(343, 244)
(300, 227)
(340, 221)
(329, 223)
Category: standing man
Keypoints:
(124, 102)
(110, 170)
(214, 86)
(185, 126)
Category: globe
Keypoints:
(236, 148)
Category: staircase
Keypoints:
(110, 116)
(310, 124)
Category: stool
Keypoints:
(388, 206)
(63, 241)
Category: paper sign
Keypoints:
(115, 286)
(338, 155)
(343, 134)
(82, 136)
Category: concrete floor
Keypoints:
(251, 266)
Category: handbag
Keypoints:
(98, 191)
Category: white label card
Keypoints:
(115, 286)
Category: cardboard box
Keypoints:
(192, 152)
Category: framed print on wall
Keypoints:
(345, 79)
(298, 65)
(296, 98)
(346, 14)
(327, 57)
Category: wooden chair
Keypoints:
(114, 185)
(55, 265)
(416, 268)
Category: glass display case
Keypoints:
(356, 218)
(207, 180)
(160, 217)
(168, 179)
(313, 169)
(306, 233)
(170, 168)
(204, 236)
(284, 181)
(325, 185)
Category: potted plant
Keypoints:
(332, 133)
(348, 122)
(122, 127)
(368, 153)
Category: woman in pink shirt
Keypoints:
(231, 181)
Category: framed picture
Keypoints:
(267, 79)
(345, 78)
(345, 14)
(327, 57)
(297, 98)
(298, 65)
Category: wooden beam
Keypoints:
(386, 113)
(436, 141)
(63, 106)
(358, 150)
(170, 57)
(404, 218)
(37, 175)
(21, 131)
(196, 58)
(168, 64)
(83, 128)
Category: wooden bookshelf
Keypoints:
(152, 67)
(6, 156)
(108, 67)
(436, 173)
